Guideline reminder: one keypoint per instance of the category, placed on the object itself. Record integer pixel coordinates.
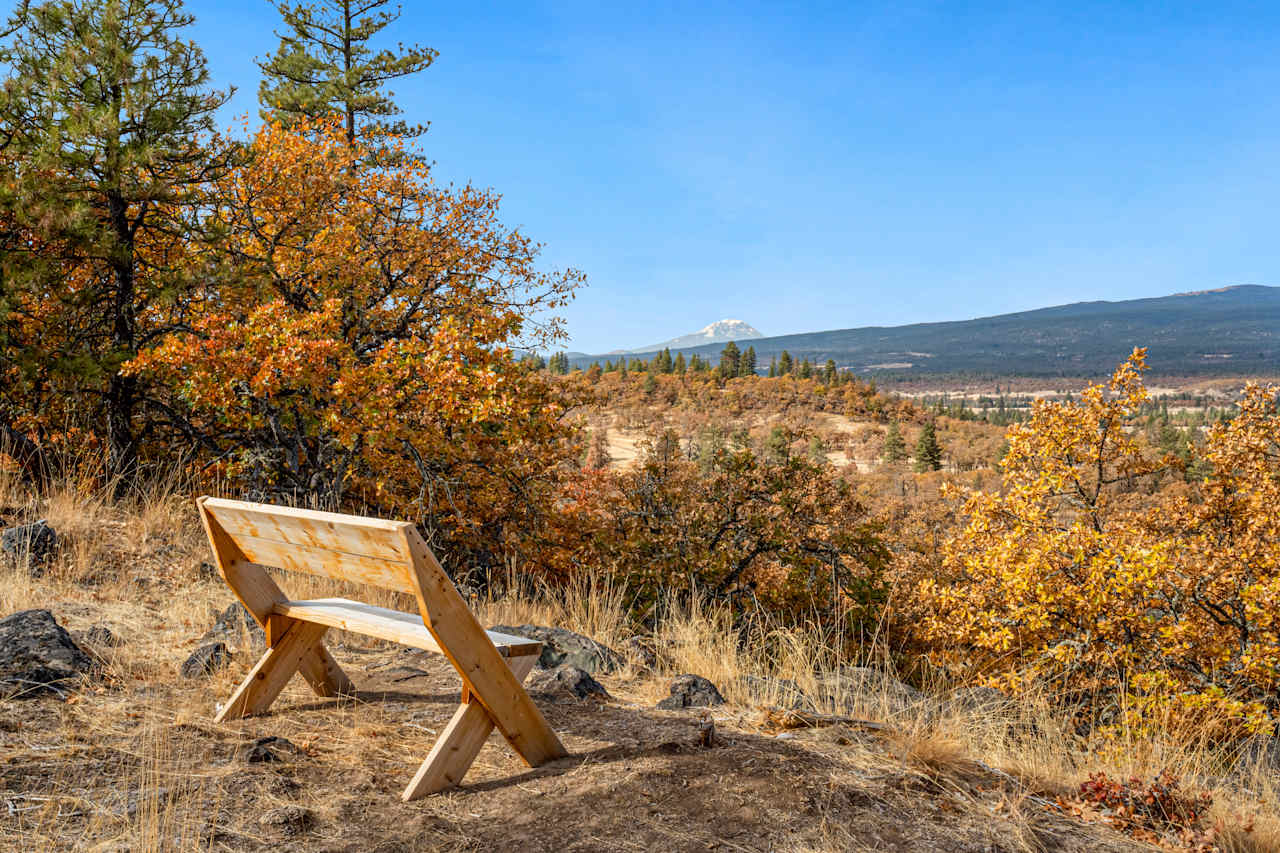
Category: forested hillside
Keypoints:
(1234, 331)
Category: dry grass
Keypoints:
(130, 761)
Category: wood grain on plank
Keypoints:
(351, 534)
(386, 624)
(373, 571)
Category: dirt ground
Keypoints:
(135, 764)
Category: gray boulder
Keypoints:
(37, 655)
(978, 700)
(1259, 755)
(566, 681)
(206, 660)
(851, 687)
(782, 691)
(30, 545)
(562, 646)
(691, 691)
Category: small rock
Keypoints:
(289, 820)
(231, 626)
(691, 691)
(640, 653)
(207, 571)
(206, 660)
(30, 545)
(265, 750)
(37, 654)
(102, 637)
(562, 646)
(566, 681)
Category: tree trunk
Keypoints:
(122, 393)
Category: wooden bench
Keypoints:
(246, 537)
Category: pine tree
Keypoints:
(103, 109)
(650, 383)
(729, 360)
(325, 66)
(773, 367)
(747, 364)
(784, 363)
(806, 369)
(895, 449)
(829, 372)
(558, 364)
(679, 366)
(928, 451)
(664, 363)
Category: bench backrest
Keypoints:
(344, 547)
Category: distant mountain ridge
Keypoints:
(719, 332)
(1224, 331)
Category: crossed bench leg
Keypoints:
(296, 643)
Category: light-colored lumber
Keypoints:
(258, 593)
(460, 742)
(339, 565)
(385, 624)
(350, 534)
(245, 537)
(272, 672)
(473, 655)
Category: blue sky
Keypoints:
(807, 166)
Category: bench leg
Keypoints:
(324, 675)
(460, 742)
(273, 671)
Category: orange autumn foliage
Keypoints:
(351, 345)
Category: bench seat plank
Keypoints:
(386, 624)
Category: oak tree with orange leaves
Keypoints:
(351, 344)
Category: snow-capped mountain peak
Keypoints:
(718, 332)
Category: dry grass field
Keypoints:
(130, 760)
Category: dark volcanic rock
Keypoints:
(231, 626)
(566, 681)
(102, 637)
(268, 749)
(206, 660)
(691, 691)
(562, 646)
(31, 545)
(37, 654)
